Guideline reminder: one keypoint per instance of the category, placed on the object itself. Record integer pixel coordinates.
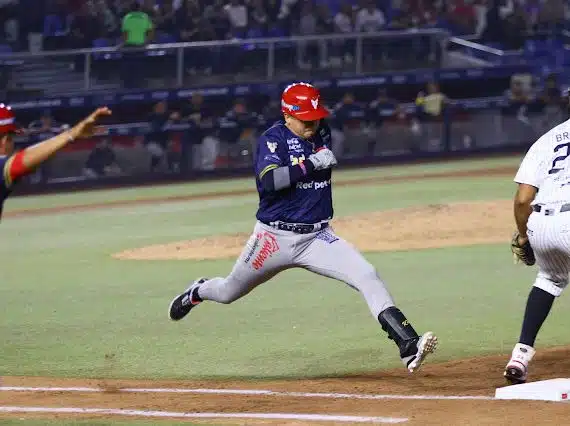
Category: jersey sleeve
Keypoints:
(269, 155)
(532, 169)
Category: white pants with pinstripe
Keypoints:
(549, 236)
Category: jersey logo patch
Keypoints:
(269, 246)
(294, 145)
(327, 236)
(296, 160)
(272, 146)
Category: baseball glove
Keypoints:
(522, 253)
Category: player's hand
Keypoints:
(323, 159)
(86, 127)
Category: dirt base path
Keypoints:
(414, 228)
(452, 393)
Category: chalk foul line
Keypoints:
(247, 392)
(169, 414)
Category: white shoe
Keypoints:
(516, 370)
(426, 344)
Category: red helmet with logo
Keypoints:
(303, 101)
(7, 120)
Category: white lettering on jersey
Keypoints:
(546, 166)
(313, 184)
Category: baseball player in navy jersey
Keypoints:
(15, 165)
(542, 214)
(293, 175)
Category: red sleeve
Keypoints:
(14, 168)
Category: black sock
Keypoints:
(538, 306)
(399, 329)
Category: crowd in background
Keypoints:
(76, 24)
(360, 127)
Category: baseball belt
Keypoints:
(551, 211)
(298, 228)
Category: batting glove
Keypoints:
(324, 159)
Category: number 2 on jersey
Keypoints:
(563, 157)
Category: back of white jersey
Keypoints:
(546, 166)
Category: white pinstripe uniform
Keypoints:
(546, 166)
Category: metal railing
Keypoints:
(271, 53)
(488, 54)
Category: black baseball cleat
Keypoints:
(182, 304)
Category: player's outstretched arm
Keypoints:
(36, 154)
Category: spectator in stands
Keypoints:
(137, 27)
(9, 24)
(380, 110)
(308, 52)
(238, 18)
(551, 101)
(187, 20)
(165, 22)
(217, 19)
(432, 104)
(83, 28)
(516, 122)
(491, 16)
(270, 113)
(369, 18)
(101, 162)
(106, 17)
(138, 30)
(516, 25)
(552, 15)
(56, 26)
(157, 140)
(461, 17)
(350, 118)
(236, 127)
(290, 14)
(193, 27)
(552, 94)
(344, 24)
(430, 109)
(424, 14)
(259, 19)
(517, 95)
(44, 128)
(273, 9)
(201, 119)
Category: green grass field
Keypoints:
(66, 303)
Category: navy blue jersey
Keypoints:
(307, 201)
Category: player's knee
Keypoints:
(367, 278)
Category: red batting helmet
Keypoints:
(7, 120)
(303, 101)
